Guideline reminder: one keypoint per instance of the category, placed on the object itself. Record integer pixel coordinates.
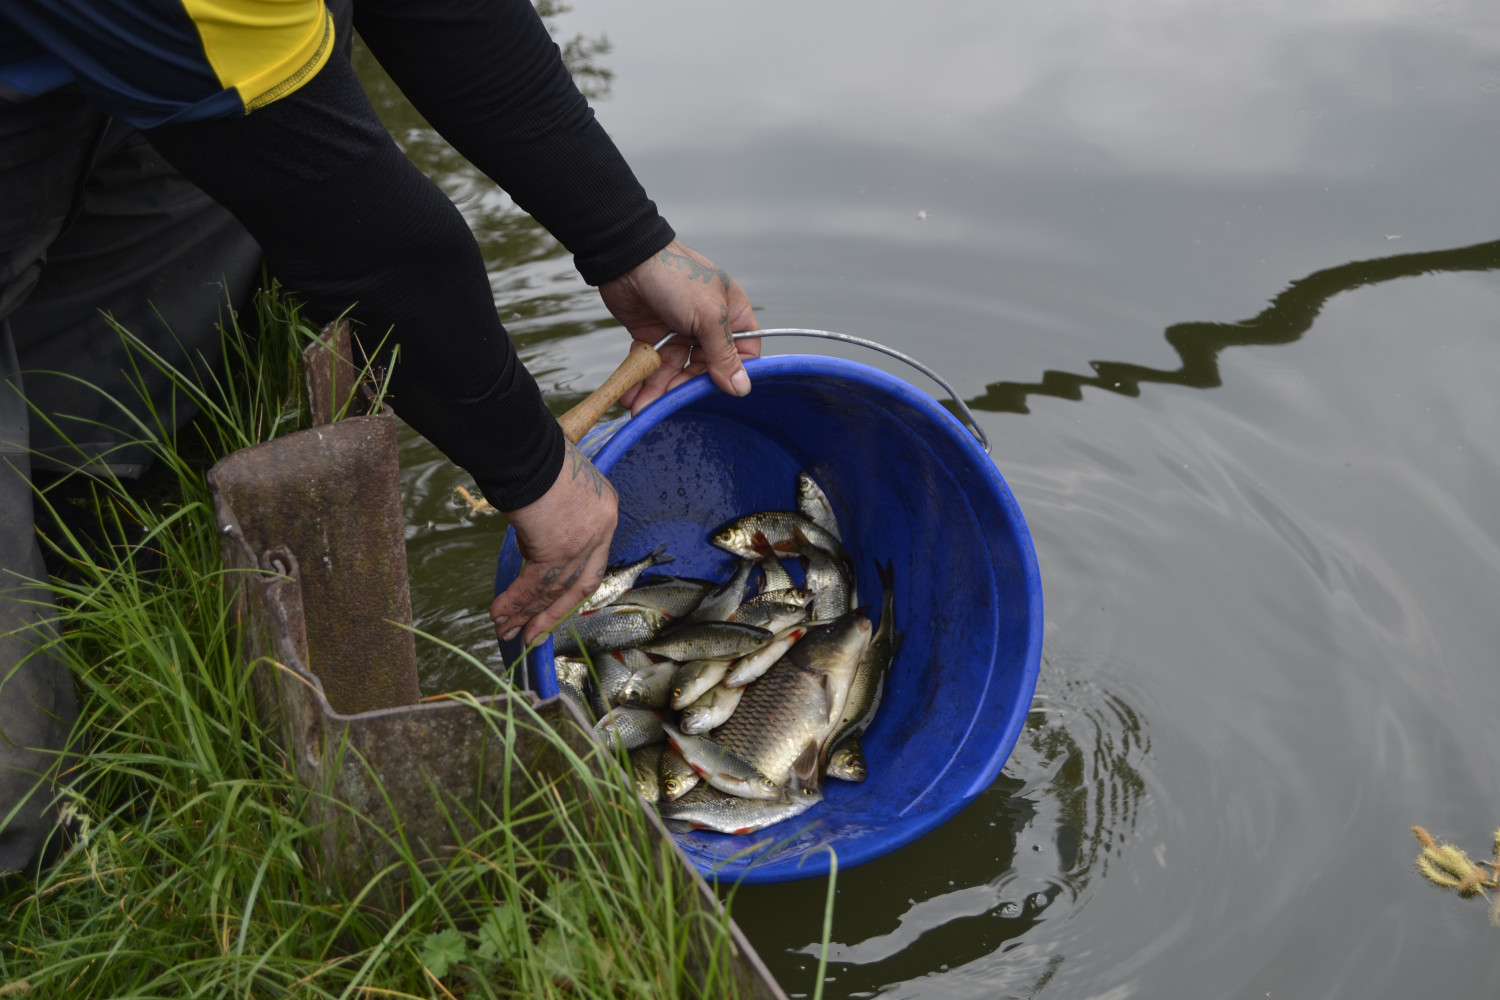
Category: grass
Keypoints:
(187, 872)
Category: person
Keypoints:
(151, 150)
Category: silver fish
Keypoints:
(611, 671)
(749, 536)
(707, 641)
(812, 503)
(650, 686)
(622, 578)
(694, 678)
(775, 610)
(630, 728)
(780, 722)
(776, 576)
(618, 626)
(729, 814)
(785, 716)
(633, 659)
(672, 595)
(847, 761)
(721, 602)
(835, 649)
(747, 668)
(573, 684)
(711, 709)
(829, 581)
(645, 770)
(873, 669)
(722, 768)
(677, 775)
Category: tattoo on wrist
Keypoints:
(695, 271)
(580, 465)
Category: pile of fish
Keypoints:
(735, 699)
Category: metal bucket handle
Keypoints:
(967, 417)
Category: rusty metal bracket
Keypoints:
(311, 532)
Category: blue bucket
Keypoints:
(909, 484)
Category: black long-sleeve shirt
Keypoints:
(345, 218)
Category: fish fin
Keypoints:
(660, 555)
(887, 574)
(807, 766)
(827, 696)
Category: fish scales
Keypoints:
(617, 581)
(870, 675)
(779, 714)
(672, 596)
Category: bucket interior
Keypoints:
(909, 485)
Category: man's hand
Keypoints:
(564, 537)
(679, 289)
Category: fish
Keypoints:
(847, 761)
(707, 641)
(749, 667)
(694, 679)
(617, 581)
(611, 671)
(721, 602)
(710, 710)
(729, 814)
(645, 770)
(775, 610)
(748, 536)
(677, 775)
(835, 649)
(776, 576)
(786, 714)
(618, 626)
(650, 686)
(873, 669)
(812, 503)
(573, 684)
(831, 584)
(630, 728)
(674, 596)
(722, 768)
(633, 659)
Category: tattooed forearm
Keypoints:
(696, 270)
(579, 464)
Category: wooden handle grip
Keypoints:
(639, 363)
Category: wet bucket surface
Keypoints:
(909, 484)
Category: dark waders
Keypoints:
(91, 219)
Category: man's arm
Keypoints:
(489, 78)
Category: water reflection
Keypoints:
(1025, 852)
(1289, 316)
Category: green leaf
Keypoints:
(560, 952)
(442, 950)
(499, 934)
(570, 901)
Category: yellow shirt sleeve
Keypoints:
(265, 49)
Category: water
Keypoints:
(1219, 280)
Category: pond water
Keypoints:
(1219, 280)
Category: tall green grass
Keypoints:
(187, 873)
